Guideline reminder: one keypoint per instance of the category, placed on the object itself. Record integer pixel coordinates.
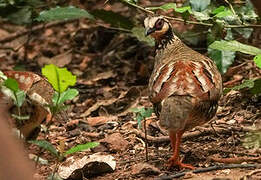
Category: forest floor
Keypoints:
(112, 70)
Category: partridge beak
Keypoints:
(148, 31)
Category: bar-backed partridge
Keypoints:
(184, 87)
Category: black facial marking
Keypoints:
(165, 39)
(159, 24)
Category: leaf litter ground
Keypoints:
(113, 71)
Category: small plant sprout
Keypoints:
(59, 153)
(142, 114)
(60, 79)
(10, 88)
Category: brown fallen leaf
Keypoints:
(72, 124)
(231, 83)
(98, 77)
(115, 142)
(100, 120)
(84, 63)
(60, 60)
(39, 93)
(97, 105)
(145, 169)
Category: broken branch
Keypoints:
(212, 168)
(189, 135)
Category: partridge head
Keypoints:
(184, 87)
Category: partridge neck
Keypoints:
(165, 39)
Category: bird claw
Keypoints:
(175, 162)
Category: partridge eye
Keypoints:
(159, 24)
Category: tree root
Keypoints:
(236, 160)
(212, 168)
(189, 135)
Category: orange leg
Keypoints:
(175, 138)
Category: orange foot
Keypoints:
(175, 162)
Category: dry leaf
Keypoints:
(93, 165)
(100, 120)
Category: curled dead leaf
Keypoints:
(39, 93)
(88, 166)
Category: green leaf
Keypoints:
(81, 147)
(135, 110)
(55, 100)
(245, 32)
(235, 46)
(145, 113)
(46, 145)
(199, 5)
(140, 35)
(57, 108)
(257, 87)
(246, 12)
(139, 119)
(229, 35)
(11, 84)
(16, 94)
(245, 84)
(69, 94)
(115, 19)
(224, 13)
(168, 6)
(164, 7)
(60, 78)
(201, 16)
(218, 10)
(20, 98)
(63, 13)
(183, 9)
(223, 59)
(257, 60)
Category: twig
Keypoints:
(138, 7)
(146, 141)
(233, 11)
(211, 125)
(29, 34)
(243, 26)
(251, 173)
(236, 160)
(113, 28)
(189, 135)
(12, 48)
(213, 168)
(55, 170)
(36, 28)
(191, 22)
(241, 153)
